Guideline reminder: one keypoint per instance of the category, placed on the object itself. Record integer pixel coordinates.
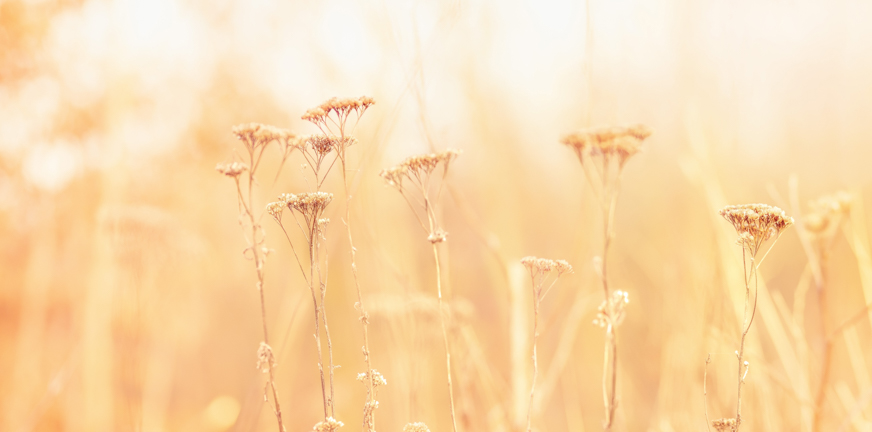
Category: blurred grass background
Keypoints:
(125, 303)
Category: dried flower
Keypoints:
(756, 223)
(724, 425)
(341, 108)
(275, 210)
(827, 212)
(265, 358)
(622, 142)
(255, 135)
(418, 166)
(309, 204)
(232, 169)
(416, 427)
(610, 313)
(328, 425)
(377, 378)
(438, 236)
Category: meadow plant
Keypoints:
(332, 119)
(255, 138)
(755, 224)
(541, 270)
(819, 230)
(309, 208)
(603, 153)
(414, 180)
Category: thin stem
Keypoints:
(369, 410)
(444, 336)
(317, 324)
(257, 255)
(536, 300)
(746, 326)
(705, 392)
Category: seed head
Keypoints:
(622, 142)
(309, 204)
(827, 211)
(265, 358)
(724, 425)
(756, 223)
(611, 312)
(232, 169)
(416, 427)
(328, 425)
(275, 210)
(255, 135)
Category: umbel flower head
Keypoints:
(416, 427)
(255, 135)
(621, 142)
(329, 424)
(724, 424)
(417, 167)
(826, 212)
(756, 223)
(232, 170)
(309, 204)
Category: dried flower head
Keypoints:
(438, 236)
(321, 144)
(724, 424)
(328, 425)
(416, 427)
(232, 169)
(341, 108)
(377, 378)
(265, 358)
(309, 204)
(275, 210)
(610, 313)
(756, 223)
(826, 212)
(255, 135)
(622, 142)
(543, 265)
(419, 166)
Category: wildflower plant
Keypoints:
(256, 138)
(414, 179)
(541, 272)
(603, 153)
(755, 225)
(334, 119)
(307, 211)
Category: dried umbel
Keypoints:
(232, 170)
(329, 424)
(340, 108)
(265, 357)
(615, 142)
(724, 425)
(255, 135)
(610, 313)
(413, 176)
(416, 168)
(540, 269)
(310, 205)
(416, 427)
(756, 223)
(827, 212)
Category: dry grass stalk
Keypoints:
(603, 153)
(540, 271)
(332, 118)
(820, 228)
(310, 207)
(754, 224)
(413, 178)
(255, 138)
